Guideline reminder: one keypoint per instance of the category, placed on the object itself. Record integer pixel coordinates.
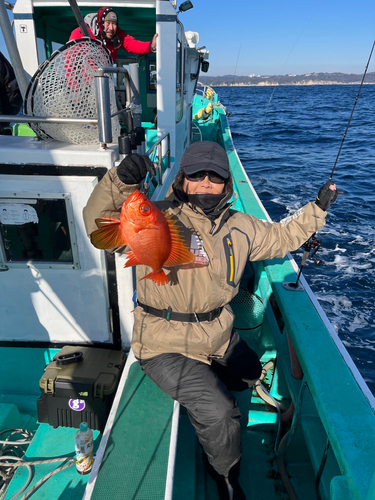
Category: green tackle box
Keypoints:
(79, 385)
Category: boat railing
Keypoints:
(159, 152)
(196, 132)
(207, 92)
(46, 119)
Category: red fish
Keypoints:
(154, 239)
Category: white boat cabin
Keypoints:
(59, 288)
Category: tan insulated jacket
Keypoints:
(235, 239)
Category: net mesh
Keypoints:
(248, 309)
(64, 86)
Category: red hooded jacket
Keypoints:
(95, 26)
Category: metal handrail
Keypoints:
(111, 69)
(45, 119)
(161, 157)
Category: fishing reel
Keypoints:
(312, 245)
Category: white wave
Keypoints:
(330, 230)
(364, 255)
(347, 265)
(358, 240)
(357, 323)
(277, 201)
(359, 345)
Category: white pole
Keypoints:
(15, 59)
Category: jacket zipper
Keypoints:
(231, 260)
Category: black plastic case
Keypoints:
(79, 385)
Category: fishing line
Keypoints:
(351, 116)
(313, 242)
(234, 76)
(235, 69)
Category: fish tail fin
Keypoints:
(179, 254)
(159, 277)
(109, 234)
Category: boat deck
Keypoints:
(135, 461)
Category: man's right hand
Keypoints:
(133, 168)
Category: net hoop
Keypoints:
(64, 87)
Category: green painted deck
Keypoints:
(259, 477)
(135, 462)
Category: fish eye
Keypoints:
(145, 209)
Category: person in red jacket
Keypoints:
(104, 27)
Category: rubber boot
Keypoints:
(228, 487)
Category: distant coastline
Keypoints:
(278, 80)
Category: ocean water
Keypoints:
(288, 139)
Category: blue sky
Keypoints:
(273, 37)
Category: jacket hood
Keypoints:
(92, 23)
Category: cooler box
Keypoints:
(79, 385)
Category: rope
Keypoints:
(280, 445)
(11, 450)
(27, 464)
(10, 461)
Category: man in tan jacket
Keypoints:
(183, 331)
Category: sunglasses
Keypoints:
(199, 176)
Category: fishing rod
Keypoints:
(313, 243)
(351, 116)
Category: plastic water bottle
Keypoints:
(84, 445)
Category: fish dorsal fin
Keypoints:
(131, 260)
(179, 254)
(108, 235)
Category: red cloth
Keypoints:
(128, 43)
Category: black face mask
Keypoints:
(211, 204)
(207, 202)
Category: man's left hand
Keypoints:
(327, 195)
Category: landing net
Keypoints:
(64, 86)
(248, 309)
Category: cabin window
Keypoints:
(178, 82)
(151, 76)
(180, 70)
(38, 229)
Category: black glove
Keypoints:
(133, 168)
(326, 196)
